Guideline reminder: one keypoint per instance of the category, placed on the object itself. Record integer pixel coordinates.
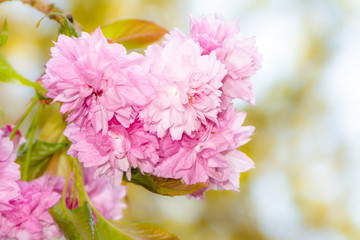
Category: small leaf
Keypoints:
(9, 75)
(133, 33)
(40, 156)
(109, 229)
(76, 223)
(54, 126)
(4, 34)
(163, 186)
(66, 28)
(59, 164)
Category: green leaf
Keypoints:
(60, 164)
(133, 33)
(54, 126)
(66, 28)
(109, 229)
(163, 186)
(77, 223)
(4, 34)
(9, 75)
(40, 156)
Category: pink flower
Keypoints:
(29, 218)
(24, 205)
(239, 54)
(96, 81)
(9, 148)
(9, 189)
(115, 152)
(187, 87)
(106, 198)
(211, 156)
(106, 152)
(6, 146)
(143, 152)
(9, 170)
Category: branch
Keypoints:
(47, 8)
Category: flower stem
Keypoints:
(47, 8)
(28, 110)
(34, 122)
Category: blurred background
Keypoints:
(307, 116)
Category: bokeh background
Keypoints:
(307, 117)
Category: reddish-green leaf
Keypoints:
(133, 33)
(109, 229)
(164, 186)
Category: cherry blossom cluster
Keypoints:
(168, 112)
(24, 205)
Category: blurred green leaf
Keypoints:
(52, 130)
(4, 34)
(109, 229)
(77, 223)
(133, 33)
(163, 186)
(40, 156)
(9, 75)
(67, 28)
(60, 164)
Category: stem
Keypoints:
(28, 110)
(82, 194)
(79, 183)
(66, 186)
(31, 140)
(47, 8)
(88, 200)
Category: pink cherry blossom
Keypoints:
(9, 148)
(106, 152)
(187, 87)
(6, 145)
(24, 205)
(96, 81)
(239, 54)
(9, 189)
(9, 170)
(143, 152)
(29, 218)
(114, 153)
(211, 156)
(168, 113)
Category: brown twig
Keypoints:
(47, 8)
